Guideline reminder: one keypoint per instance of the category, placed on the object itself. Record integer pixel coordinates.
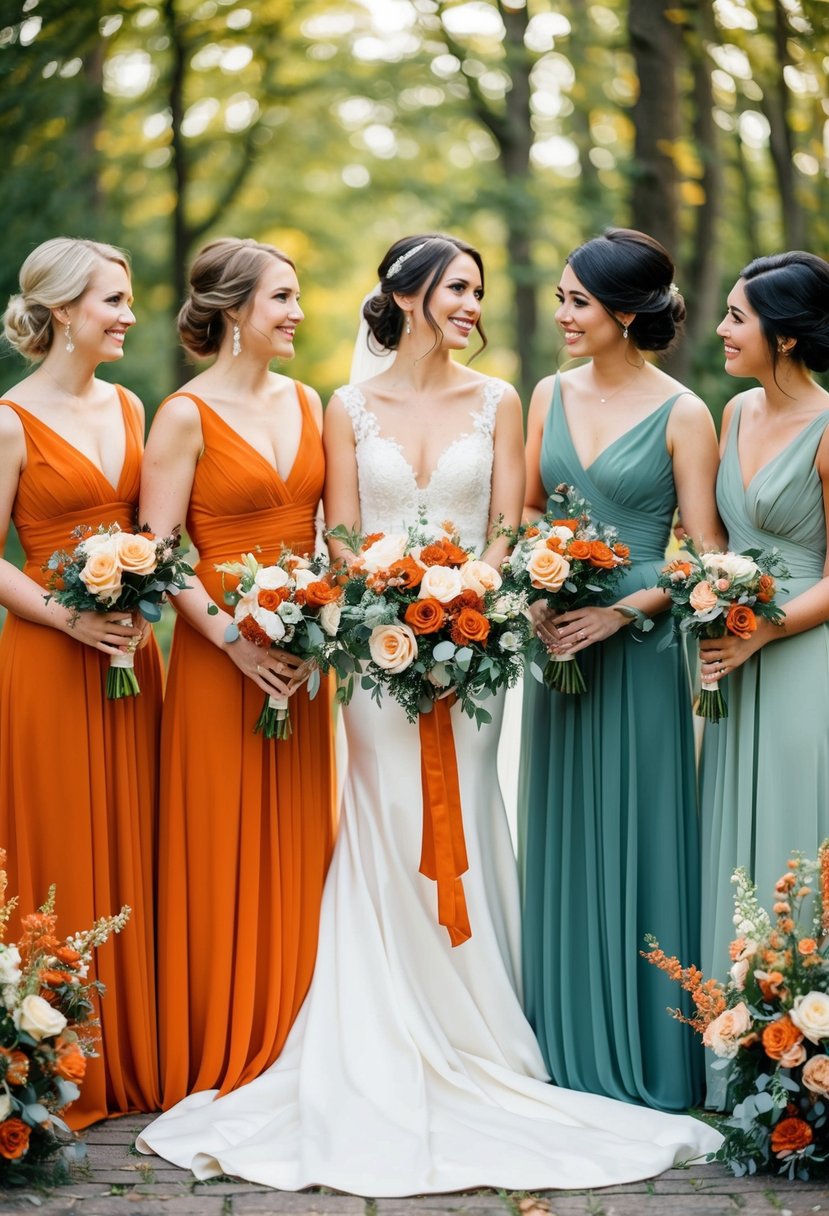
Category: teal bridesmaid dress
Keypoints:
(608, 825)
(765, 770)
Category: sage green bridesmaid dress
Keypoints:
(765, 769)
(608, 828)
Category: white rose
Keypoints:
(384, 551)
(738, 973)
(9, 965)
(441, 583)
(246, 604)
(98, 540)
(724, 1033)
(810, 1015)
(479, 577)
(509, 641)
(304, 577)
(271, 622)
(329, 618)
(733, 565)
(564, 534)
(37, 1018)
(5, 1105)
(393, 647)
(271, 578)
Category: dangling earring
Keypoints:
(237, 341)
(625, 332)
(70, 345)
(408, 324)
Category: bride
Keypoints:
(411, 1067)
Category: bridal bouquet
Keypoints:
(46, 1034)
(293, 604)
(426, 615)
(568, 560)
(769, 1025)
(717, 593)
(114, 571)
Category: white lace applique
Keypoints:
(458, 490)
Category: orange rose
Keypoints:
(790, 1136)
(371, 539)
(425, 616)
(71, 1063)
(779, 1037)
(14, 1139)
(765, 588)
(677, 566)
(319, 593)
(601, 555)
(579, 550)
(67, 956)
(443, 553)
(266, 598)
(406, 572)
(470, 626)
(17, 1066)
(741, 621)
(621, 550)
(533, 531)
(572, 524)
(52, 978)
(555, 543)
(807, 945)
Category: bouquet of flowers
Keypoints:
(427, 615)
(114, 571)
(769, 1025)
(569, 560)
(293, 604)
(717, 593)
(46, 1034)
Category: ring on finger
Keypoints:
(582, 635)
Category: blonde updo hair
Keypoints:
(54, 274)
(223, 276)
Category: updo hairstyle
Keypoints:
(224, 276)
(629, 271)
(790, 294)
(55, 274)
(404, 271)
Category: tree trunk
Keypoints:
(656, 42)
(781, 144)
(180, 235)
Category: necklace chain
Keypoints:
(625, 384)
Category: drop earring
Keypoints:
(237, 341)
(408, 324)
(625, 332)
(70, 345)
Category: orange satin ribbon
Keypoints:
(443, 852)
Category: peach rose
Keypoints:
(547, 570)
(441, 583)
(102, 574)
(724, 1033)
(135, 553)
(393, 647)
(703, 598)
(816, 1075)
(479, 577)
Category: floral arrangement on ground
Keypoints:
(768, 1025)
(47, 1031)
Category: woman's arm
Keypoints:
(341, 496)
(535, 494)
(507, 492)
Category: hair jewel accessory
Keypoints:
(404, 257)
(673, 289)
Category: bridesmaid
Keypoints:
(78, 772)
(246, 823)
(607, 798)
(766, 766)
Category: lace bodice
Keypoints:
(460, 485)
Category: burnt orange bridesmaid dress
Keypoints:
(246, 823)
(78, 772)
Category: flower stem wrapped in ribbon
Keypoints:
(427, 622)
(768, 1025)
(568, 560)
(713, 594)
(293, 604)
(115, 571)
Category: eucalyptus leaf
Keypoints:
(232, 632)
(444, 651)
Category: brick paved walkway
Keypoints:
(115, 1181)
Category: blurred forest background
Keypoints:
(331, 127)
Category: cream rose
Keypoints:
(703, 598)
(99, 540)
(732, 565)
(547, 569)
(724, 1033)
(102, 574)
(441, 583)
(136, 554)
(816, 1075)
(794, 1057)
(393, 647)
(329, 618)
(271, 578)
(479, 577)
(810, 1015)
(37, 1018)
(275, 627)
(384, 551)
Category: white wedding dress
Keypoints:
(411, 1067)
